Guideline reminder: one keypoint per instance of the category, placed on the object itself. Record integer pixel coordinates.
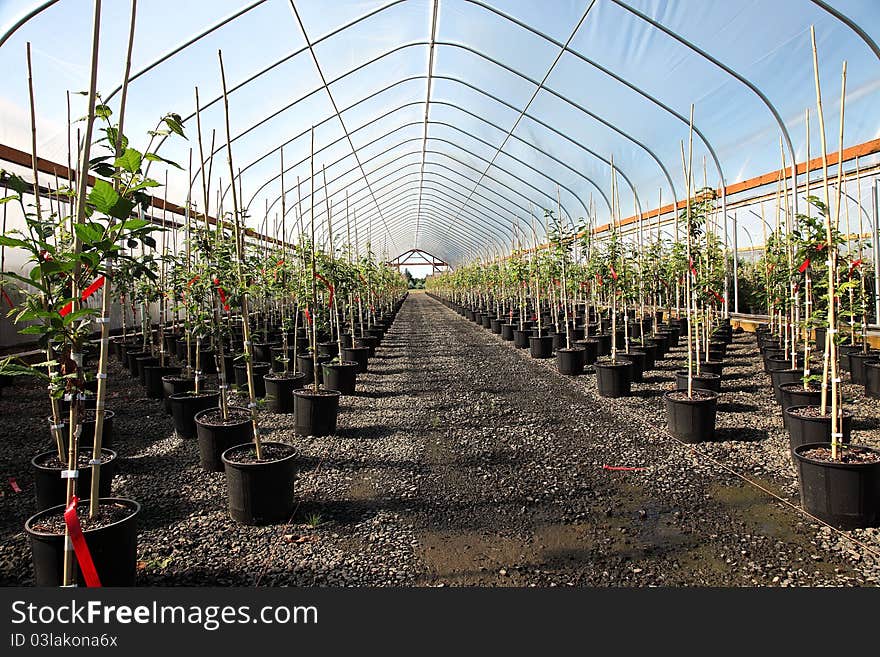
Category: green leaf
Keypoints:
(7, 199)
(103, 196)
(129, 161)
(152, 157)
(33, 330)
(17, 184)
(103, 112)
(11, 241)
(149, 182)
(122, 209)
(88, 233)
(175, 124)
(79, 314)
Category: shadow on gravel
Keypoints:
(749, 389)
(366, 433)
(658, 379)
(865, 423)
(352, 511)
(736, 407)
(378, 394)
(740, 434)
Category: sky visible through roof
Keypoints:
(511, 116)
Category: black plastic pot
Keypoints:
(662, 342)
(185, 405)
(613, 379)
(781, 377)
(306, 365)
(845, 495)
(541, 347)
(711, 367)
(521, 338)
(316, 412)
(705, 381)
(369, 341)
(793, 394)
(328, 349)
(590, 346)
(638, 364)
(173, 384)
(278, 356)
(649, 347)
(341, 377)
(260, 370)
(691, 420)
(843, 353)
(781, 363)
(486, 321)
(87, 436)
(805, 430)
(214, 439)
(153, 379)
(131, 360)
(260, 492)
(279, 390)
(50, 489)
(857, 362)
(495, 325)
(872, 379)
(359, 355)
(603, 344)
(113, 547)
(507, 331)
(263, 351)
(570, 361)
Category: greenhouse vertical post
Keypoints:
(876, 231)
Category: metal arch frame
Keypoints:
(431, 50)
(397, 145)
(409, 125)
(851, 24)
(724, 67)
(354, 151)
(499, 64)
(455, 106)
(525, 108)
(562, 97)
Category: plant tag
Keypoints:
(95, 462)
(69, 474)
(101, 375)
(14, 484)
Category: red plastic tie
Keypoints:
(15, 487)
(80, 547)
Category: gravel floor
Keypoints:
(462, 461)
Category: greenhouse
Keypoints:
(440, 293)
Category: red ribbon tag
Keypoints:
(222, 294)
(693, 270)
(89, 291)
(599, 279)
(853, 266)
(15, 487)
(613, 272)
(329, 286)
(308, 316)
(80, 547)
(6, 296)
(804, 265)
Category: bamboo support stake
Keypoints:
(245, 319)
(830, 346)
(313, 302)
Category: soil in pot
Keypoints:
(260, 491)
(50, 489)
(793, 394)
(316, 411)
(111, 537)
(185, 405)
(280, 387)
(845, 492)
(216, 435)
(691, 419)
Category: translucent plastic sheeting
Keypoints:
(527, 104)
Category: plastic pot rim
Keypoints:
(258, 464)
(133, 504)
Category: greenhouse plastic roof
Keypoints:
(444, 124)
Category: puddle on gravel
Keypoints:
(757, 509)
